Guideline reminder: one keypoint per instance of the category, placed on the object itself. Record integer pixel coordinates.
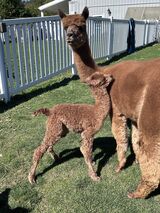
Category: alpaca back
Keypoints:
(76, 117)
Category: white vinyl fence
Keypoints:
(33, 50)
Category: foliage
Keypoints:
(16, 9)
(33, 5)
(12, 9)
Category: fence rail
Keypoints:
(33, 50)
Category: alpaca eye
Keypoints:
(81, 28)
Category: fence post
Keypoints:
(156, 33)
(147, 32)
(144, 37)
(3, 75)
(74, 71)
(110, 38)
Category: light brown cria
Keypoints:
(81, 118)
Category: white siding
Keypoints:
(117, 7)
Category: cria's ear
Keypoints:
(61, 13)
(85, 13)
(108, 79)
(95, 79)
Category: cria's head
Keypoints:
(75, 27)
(99, 80)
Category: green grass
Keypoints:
(63, 187)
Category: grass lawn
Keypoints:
(64, 187)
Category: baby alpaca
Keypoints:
(80, 118)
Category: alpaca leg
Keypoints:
(135, 141)
(38, 153)
(52, 153)
(119, 130)
(144, 188)
(52, 135)
(62, 132)
(150, 180)
(86, 149)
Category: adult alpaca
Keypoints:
(133, 95)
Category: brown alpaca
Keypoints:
(134, 95)
(81, 118)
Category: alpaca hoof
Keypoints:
(120, 166)
(130, 195)
(55, 157)
(136, 161)
(31, 179)
(93, 163)
(118, 169)
(95, 178)
(134, 195)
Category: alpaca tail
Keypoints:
(44, 111)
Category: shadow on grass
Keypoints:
(131, 158)
(107, 145)
(108, 148)
(113, 59)
(4, 206)
(154, 193)
(122, 55)
(18, 99)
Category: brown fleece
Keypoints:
(134, 94)
(81, 118)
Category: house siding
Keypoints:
(117, 7)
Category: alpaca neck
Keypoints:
(84, 61)
(102, 101)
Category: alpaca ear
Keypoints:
(61, 13)
(85, 13)
(108, 78)
(93, 80)
(88, 80)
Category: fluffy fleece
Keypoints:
(81, 118)
(134, 94)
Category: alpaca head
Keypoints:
(99, 80)
(98, 83)
(75, 27)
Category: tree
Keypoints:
(12, 9)
(16, 9)
(33, 5)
